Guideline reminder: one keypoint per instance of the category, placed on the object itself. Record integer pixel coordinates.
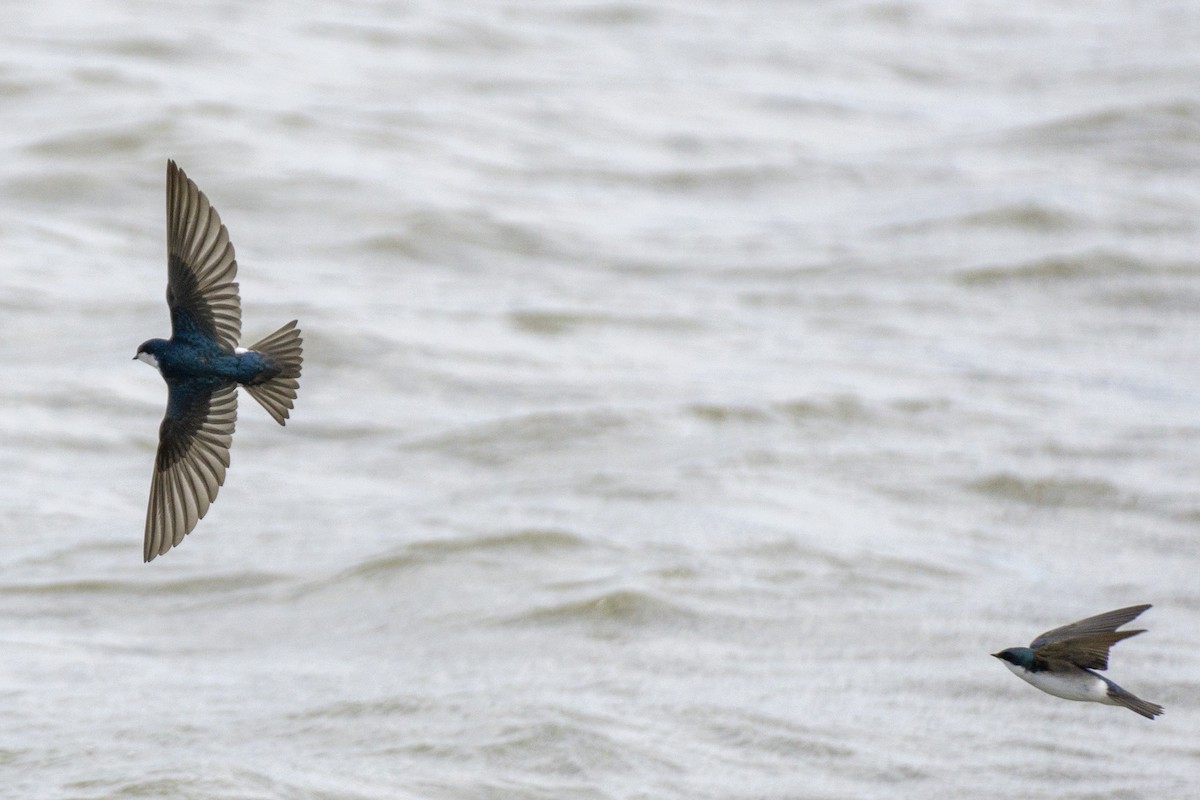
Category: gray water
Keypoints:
(695, 394)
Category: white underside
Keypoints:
(1077, 686)
(149, 359)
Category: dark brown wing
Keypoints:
(1086, 643)
(193, 454)
(201, 291)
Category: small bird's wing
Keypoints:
(1086, 642)
(201, 291)
(193, 454)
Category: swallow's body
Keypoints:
(182, 360)
(203, 366)
(1062, 661)
(1066, 681)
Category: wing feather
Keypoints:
(1107, 622)
(201, 266)
(193, 455)
(1086, 643)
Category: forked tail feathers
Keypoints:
(277, 393)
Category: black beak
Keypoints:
(997, 655)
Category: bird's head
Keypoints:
(1017, 656)
(148, 351)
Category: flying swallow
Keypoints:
(203, 366)
(1061, 662)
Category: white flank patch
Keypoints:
(1080, 686)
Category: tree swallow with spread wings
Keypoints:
(1060, 662)
(203, 366)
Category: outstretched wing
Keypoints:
(201, 291)
(1086, 643)
(193, 454)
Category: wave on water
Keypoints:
(1173, 126)
(611, 612)
(207, 585)
(522, 542)
(1053, 492)
(433, 235)
(551, 323)
(1033, 217)
(503, 441)
(1062, 268)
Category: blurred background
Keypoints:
(695, 394)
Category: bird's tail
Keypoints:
(1132, 702)
(278, 392)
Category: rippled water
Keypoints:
(694, 395)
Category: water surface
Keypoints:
(694, 395)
